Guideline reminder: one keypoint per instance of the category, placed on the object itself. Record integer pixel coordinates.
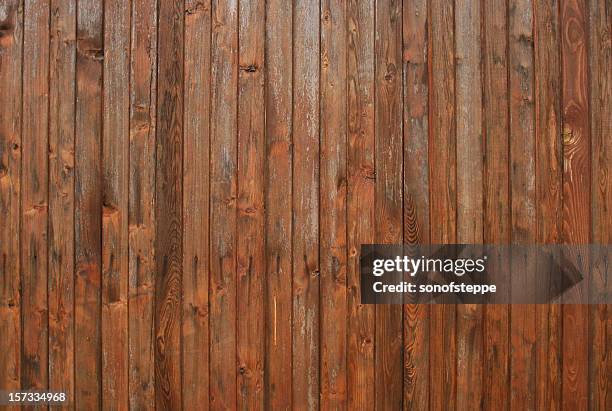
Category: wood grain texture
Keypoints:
(168, 206)
(88, 205)
(115, 169)
(61, 195)
(360, 200)
(196, 194)
(11, 51)
(305, 188)
(278, 224)
(388, 192)
(141, 206)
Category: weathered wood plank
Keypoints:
(11, 51)
(88, 204)
(360, 200)
(61, 196)
(305, 208)
(115, 157)
(168, 206)
(223, 192)
(141, 219)
(196, 195)
(333, 205)
(251, 208)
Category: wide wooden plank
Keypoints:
(141, 218)
(470, 183)
(305, 207)
(196, 186)
(360, 199)
(416, 192)
(88, 205)
(35, 196)
(548, 192)
(333, 205)
(443, 195)
(11, 44)
(115, 156)
(600, 104)
(522, 180)
(223, 192)
(168, 206)
(61, 196)
(495, 386)
(251, 210)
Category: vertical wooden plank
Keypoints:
(388, 191)
(223, 180)
(88, 204)
(443, 195)
(497, 226)
(251, 210)
(35, 196)
(523, 195)
(470, 181)
(360, 200)
(196, 186)
(548, 192)
(416, 192)
(61, 196)
(333, 205)
(168, 206)
(143, 91)
(278, 202)
(600, 81)
(306, 59)
(576, 191)
(115, 152)
(11, 44)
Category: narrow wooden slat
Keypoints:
(115, 152)
(305, 320)
(223, 180)
(141, 219)
(388, 192)
(88, 205)
(576, 191)
(35, 196)
(168, 206)
(470, 180)
(251, 211)
(416, 192)
(332, 240)
(600, 104)
(548, 192)
(196, 186)
(360, 200)
(61, 196)
(11, 49)
(523, 195)
(496, 379)
(443, 195)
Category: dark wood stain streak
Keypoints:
(141, 207)
(168, 207)
(416, 192)
(360, 200)
(548, 192)
(61, 196)
(115, 158)
(196, 196)
(11, 51)
(250, 222)
(223, 191)
(88, 205)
